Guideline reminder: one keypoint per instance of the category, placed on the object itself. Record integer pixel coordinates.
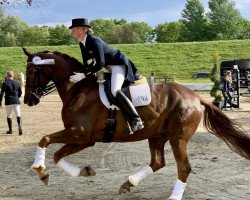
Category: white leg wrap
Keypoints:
(137, 177)
(178, 190)
(69, 168)
(40, 158)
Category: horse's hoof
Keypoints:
(42, 173)
(45, 179)
(123, 190)
(125, 187)
(87, 171)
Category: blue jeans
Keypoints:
(227, 99)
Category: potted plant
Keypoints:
(215, 91)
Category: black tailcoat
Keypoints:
(104, 55)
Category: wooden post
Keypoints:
(236, 71)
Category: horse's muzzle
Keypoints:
(31, 100)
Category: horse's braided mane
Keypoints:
(66, 57)
(72, 60)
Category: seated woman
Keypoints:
(97, 54)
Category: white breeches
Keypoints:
(15, 107)
(117, 77)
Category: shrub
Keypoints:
(215, 91)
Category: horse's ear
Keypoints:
(27, 53)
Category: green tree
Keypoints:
(169, 32)
(103, 28)
(124, 34)
(14, 32)
(226, 21)
(143, 30)
(35, 36)
(120, 22)
(8, 40)
(60, 35)
(195, 21)
(121, 32)
(245, 34)
(11, 28)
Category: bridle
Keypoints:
(37, 90)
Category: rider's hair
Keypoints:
(89, 30)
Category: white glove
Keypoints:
(77, 77)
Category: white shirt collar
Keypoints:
(84, 40)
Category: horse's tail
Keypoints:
(217, 123)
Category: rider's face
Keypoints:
(78, 33)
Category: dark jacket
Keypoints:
(227, 86)
(12, 91)
(104, 55)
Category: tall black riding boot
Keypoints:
(128, 108)
(9, 120)
(19, 122)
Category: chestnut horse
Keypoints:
(173, 115)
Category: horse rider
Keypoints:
(13, 92)
(97, 54)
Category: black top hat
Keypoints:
(79, 22)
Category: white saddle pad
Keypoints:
(140, 95)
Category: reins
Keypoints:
(40, 91)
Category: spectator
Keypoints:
(22, 82)
(247, 74)
(13, 92)
(227, 90)
(152, 78)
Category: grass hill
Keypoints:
(179, 60)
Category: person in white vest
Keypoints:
(22, 82)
